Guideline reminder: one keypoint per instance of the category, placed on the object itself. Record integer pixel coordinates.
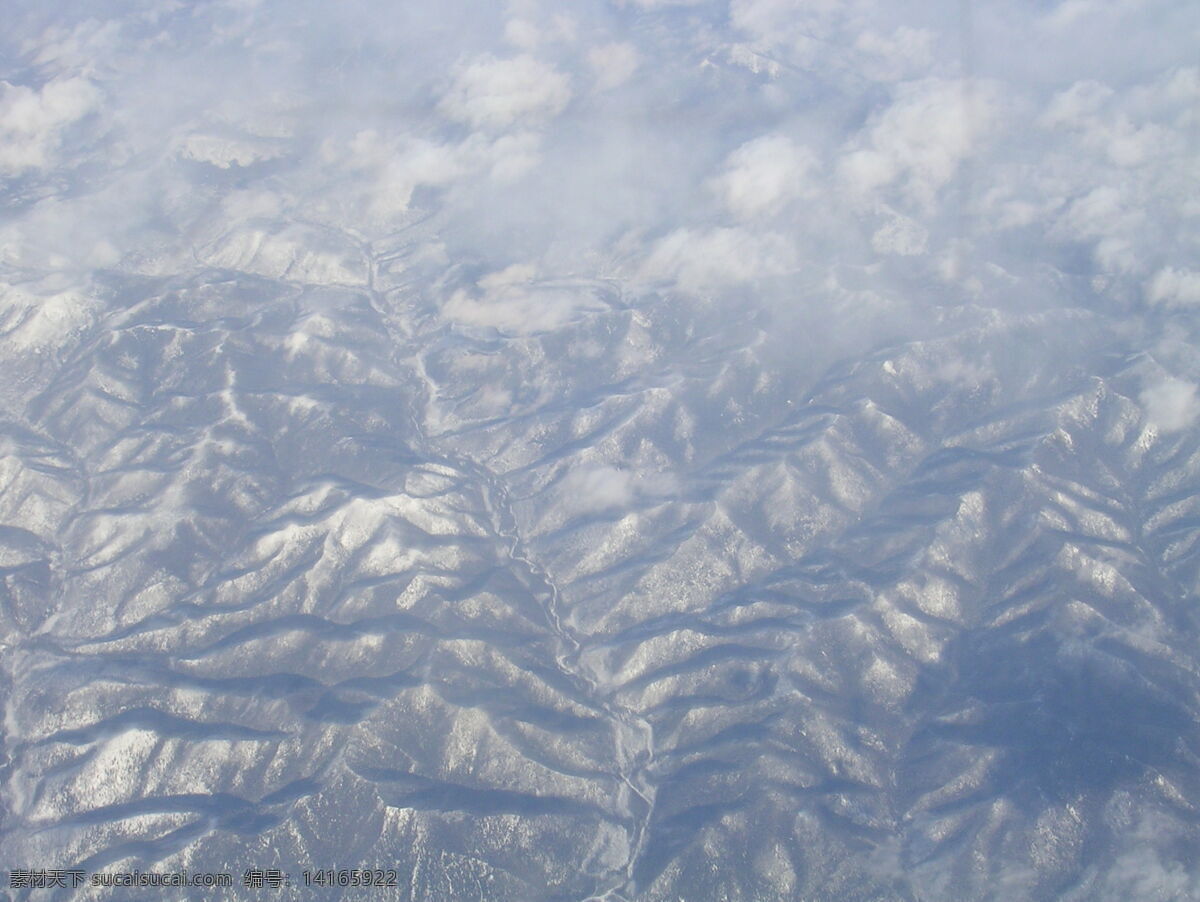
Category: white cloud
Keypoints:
(1070, 13)
(224, 152)
(32, 121)
(920, 140)
(515, 275)
(1173, 287)
(87, 231)
(522, 33)
(613, 64)
(1083, 108)
(1183, 87)
(513, 301)
(1109, 167)
(765, 174)
(1072, 106)
(1129, 145)
(510, 157)
(778, 22)
(373, 175)
(598, 489)
(493, 93)
(904, 53)
(1145, 866)
(901, 236)
(660, 4)
(700, 262)
(592, 488)
(74, 49)
(1171, 404)
(1109, 217)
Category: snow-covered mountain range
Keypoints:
(656, 450)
